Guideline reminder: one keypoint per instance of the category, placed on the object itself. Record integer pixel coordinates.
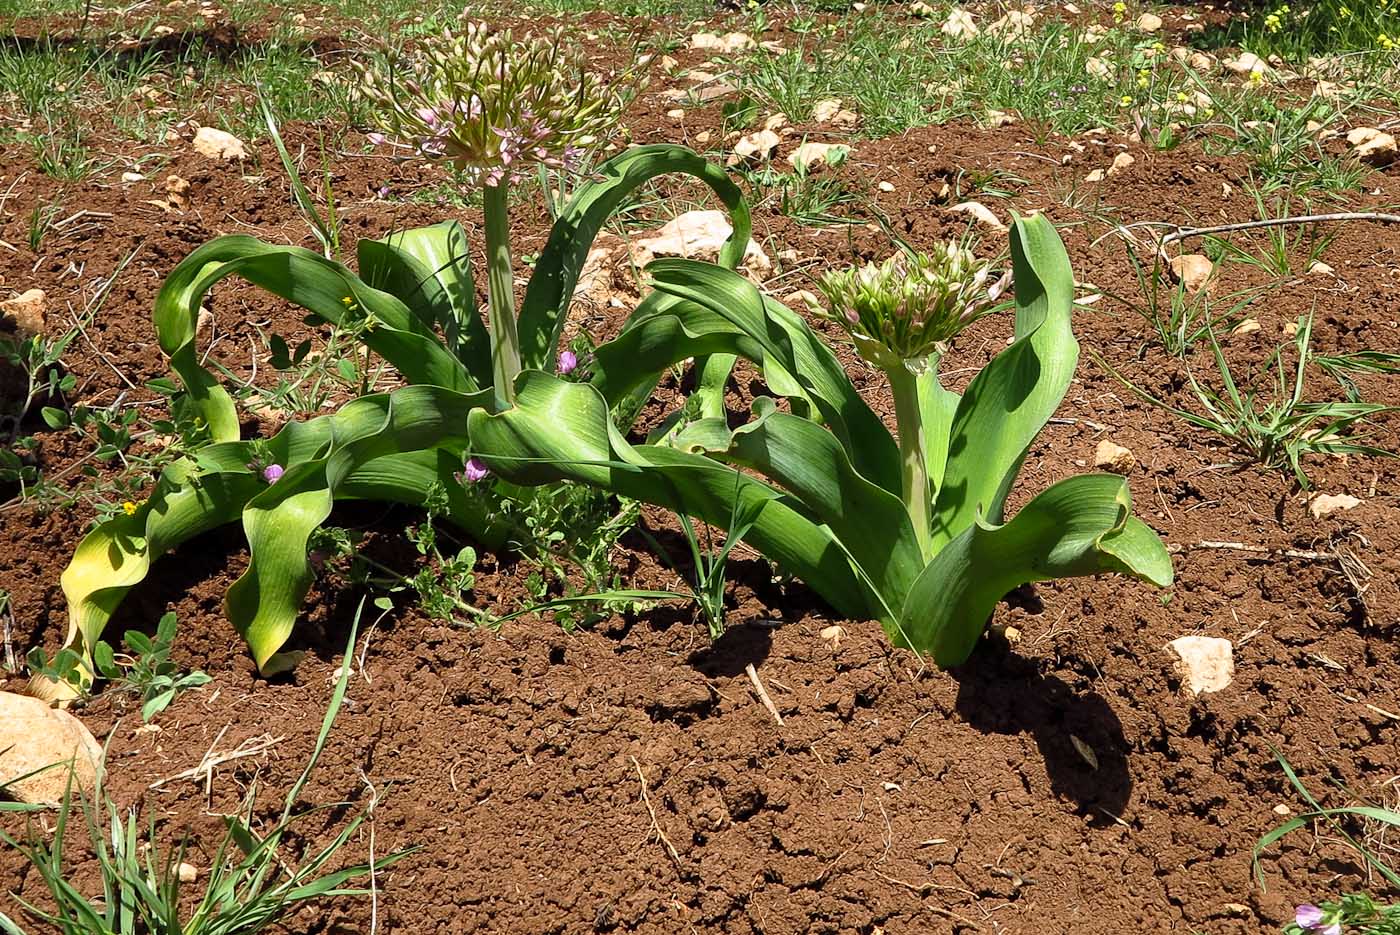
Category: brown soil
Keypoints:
(894, 798)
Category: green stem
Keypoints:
(500, 294)
(912, 456)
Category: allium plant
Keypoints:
(898, 315)
(910, 532)
(494, 106)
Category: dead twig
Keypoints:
(1307, 554)
(204, 769)
(655, 825)
(763, 694)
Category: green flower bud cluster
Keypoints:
(902, 309)
(492, 104)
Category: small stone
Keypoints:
(1204, 663)
(1372, 146)
(177, 191)
(129, 177)
(833, 635)
(1325, 504)
(1121, 163)
(697, 235)
(1098, 68)
(1319, 268)
(757, 146)
(187, 873)
(1110, 456)
(1192, 270)
(980, 213)
(776, 121)
(1012, 25)
(959, 24)
(28, 311)
(217, 144)
(1236, 909)
(1095, 175)
(675, 114)
(1290, 329)
(730, 42)
(999, 118)
(34, 736)
(823, 111)
(1247, 64)
(1282, 810)
(810, 155)
(921, 9)
(668, 63)
(886, 186)
(1149, 22)
(1248, 326)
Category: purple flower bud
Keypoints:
(1334, 929)
(568, 360)
(1308, 916)
(383, 191)
(376, 139)
(474, 470)
(272, 473)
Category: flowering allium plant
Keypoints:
(492, 104)
(897, 314)
(904, 308)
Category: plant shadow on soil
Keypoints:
(1000, 692)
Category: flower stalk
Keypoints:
(500, 294)
(913, 455)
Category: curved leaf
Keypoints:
(560, 431)
(1080, 526)
(551, 288)
(1010, 400)
(306, 279)
(429, 270)
(712, 310)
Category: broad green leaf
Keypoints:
(560, 431)
(309, 280)
(429, 270)
(1010, 400)
(551, 289)
(1080, 526)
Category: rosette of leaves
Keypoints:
(827, 492)
(412, 302)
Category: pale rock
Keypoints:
(177, 192)
(713, 92)
(34, 736)
(980, 213)
(702, 137)
(668, 63)
(776, 121)
(1319, 268)
(1290, 329)
(1325, 504)
(1094, 34)
(921, 9)
(1095, 175)
(999, 118)
(1098, 68)
(130, 177)
(1012, 25)
(676, 114)
(728, 43)
(885, 186)
(959, 24)
(1110, 456)
(757, 146)
(1247, 64)
(1372, 146)
(834, 635)
(218, 144)
(28, 311)
(1204, 663)
(1192, 270)
(1121, 163)
(823, 111)
(1248, 326)
(187, 873)
(595, 278)
(700, 76)
(1072, 9)
(1149, 22)
(696, 235)
(810, 155)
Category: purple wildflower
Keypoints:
(1312, 919)
(568, 360)
(376, 139)
(474, 470)
(382, 192)
(272, 473)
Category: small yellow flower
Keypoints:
(1125, 100)
(129, 508)
(347, 301)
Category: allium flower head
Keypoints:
(493, 104)
(903, 308)
(272, 473)
(568, 360)
(473, 471)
